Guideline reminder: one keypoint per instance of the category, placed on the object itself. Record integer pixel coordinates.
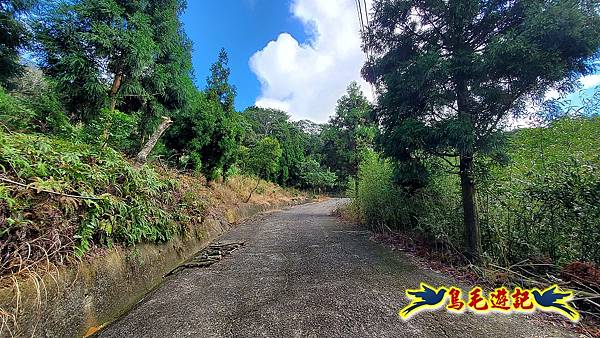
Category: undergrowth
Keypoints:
(543, 206)
(539, 214)
(60, 200)
(119, 203)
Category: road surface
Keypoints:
(303, 273)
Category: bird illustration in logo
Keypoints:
(426, 297)
(552, 299)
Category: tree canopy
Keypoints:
(263, 158)
(131, 56)
(206, 133)
(14, 36)
(450, 72)
(349, 131)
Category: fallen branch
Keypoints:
(22, 185)
(5, 127)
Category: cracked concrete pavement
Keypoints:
(302, 273)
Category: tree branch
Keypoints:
(449, 163)
(22, 185)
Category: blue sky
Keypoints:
(294, 55)
(242, 27)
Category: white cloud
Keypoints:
(307, 79)
(590, 81)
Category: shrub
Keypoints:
(13, 114)
(546, 203)
(34, 106)
(313, 176)
(114, 129)
(543, 206)
(132, 205)
(379, 202)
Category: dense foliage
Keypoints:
(14, 36)
(297, 164)
(448, 76)
(74, 197)
(128, 205)
(263, 158)
(542, 206)
(107, 73)
(450, 72)
(546, 202)
(349, 132)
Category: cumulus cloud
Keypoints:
(590, 81)
(307, 79)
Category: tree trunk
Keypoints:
(467, 175)
(112, 96)
(253, 190)
(469, 201)
(147, 148)
(114, 89)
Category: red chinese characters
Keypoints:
(455, 303)
(499, 300)
(521, 300)
(502, 299)
(476, 300)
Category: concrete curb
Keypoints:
(80, 299)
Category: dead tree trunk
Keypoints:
(147, 148)
(112, 94)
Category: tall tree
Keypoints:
(313, 143)
(266, 121)
(263, 158)
(220, 153)
(97, 51)
(292, 144)
(207, 132)
(349, 131)
(276, 123)
(217, 83)
(192, 130)
(449, 73)
(14, 36)
(166, 83)
(315, 177)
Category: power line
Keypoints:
(363, 29)
(360, 16)
(366, 13)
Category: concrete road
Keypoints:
(302, 273)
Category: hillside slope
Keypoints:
(60, 200)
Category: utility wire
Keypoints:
(366, 13)
(362, 18)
